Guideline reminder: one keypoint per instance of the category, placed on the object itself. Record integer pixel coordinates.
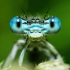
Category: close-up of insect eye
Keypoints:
(17, 24)
(54, 24)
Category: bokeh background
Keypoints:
(59, 8)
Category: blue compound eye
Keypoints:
(54, 25)
(16, 24)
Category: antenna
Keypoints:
(23, 12)
(47, 12)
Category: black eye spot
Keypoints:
(52, 24)
(18, 24)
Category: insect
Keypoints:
(34, 32)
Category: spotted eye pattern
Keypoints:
(53, 24)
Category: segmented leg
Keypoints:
(12, 55)
(21, 57)
(51, 48)
(48, 54)
(23, 53)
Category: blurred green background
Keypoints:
(11, 8)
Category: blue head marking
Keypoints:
(17, 24)
(35, 28)
(54, 25)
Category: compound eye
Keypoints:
(16, 24)
(54, 25)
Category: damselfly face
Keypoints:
(35, 28)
